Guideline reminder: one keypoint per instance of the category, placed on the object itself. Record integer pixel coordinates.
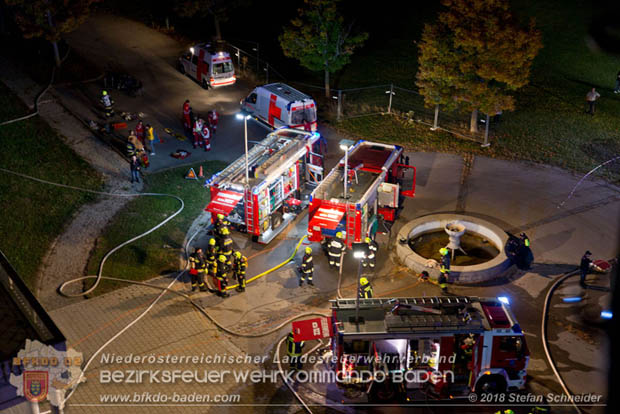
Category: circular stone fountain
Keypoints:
(476, 247)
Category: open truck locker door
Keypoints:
(406, 190)
(224, 202)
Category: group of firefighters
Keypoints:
(201, 130)
(219, 262)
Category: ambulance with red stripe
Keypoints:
(210, 68)
(279, 105)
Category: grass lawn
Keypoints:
(34, 214)
(158, 253)
(548, 126)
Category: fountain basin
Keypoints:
(474, 273)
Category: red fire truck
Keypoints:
(374, 177)
(447, 347)
(282, 170)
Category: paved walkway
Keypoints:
(68, 255)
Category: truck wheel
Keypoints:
(493, 384)
(205, 84)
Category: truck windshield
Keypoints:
(224, 67)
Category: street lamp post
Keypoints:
(245, 129)
(360, 251)
(345, 145)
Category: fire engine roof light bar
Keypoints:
(607, 314)
(504, 300)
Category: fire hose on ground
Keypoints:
(164, 290)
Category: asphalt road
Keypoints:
(116, 43)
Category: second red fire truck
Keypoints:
(374, 177)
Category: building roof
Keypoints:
(21, 314)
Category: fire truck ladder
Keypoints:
(351, 212)
(378, 302)
(249, 210)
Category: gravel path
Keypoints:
(68, 255)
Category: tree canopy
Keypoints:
(49, 19)
(475, 55)
(218, 9)
(320, 39)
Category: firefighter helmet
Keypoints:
(212, 242)
(220, 216)
(238, 255)
(443, 251)
(104, 93)
(367, 240)
(363, 281)
(339, 234)
(222, 258)
(308, 250)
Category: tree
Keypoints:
(218, 9)
(49, 18)
(320, 39)
(475, 56)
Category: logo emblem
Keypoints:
(35, 385)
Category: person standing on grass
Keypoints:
(150, 138)
(617, 88)
(591, 98)
(134, 165)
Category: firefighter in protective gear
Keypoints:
(294, 351)
(371, 259)
(335, 250)
(108, 104)
(365, 291)
(222, 276)
(240, 264)
(219, 225)
(444, 269)
(211, 257)
(198, 266)
(307, 267)
(524, 239)
(226, 246)
(508, 411)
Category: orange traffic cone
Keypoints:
(200, 173)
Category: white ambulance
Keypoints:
(280, 105)
(208, 67)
